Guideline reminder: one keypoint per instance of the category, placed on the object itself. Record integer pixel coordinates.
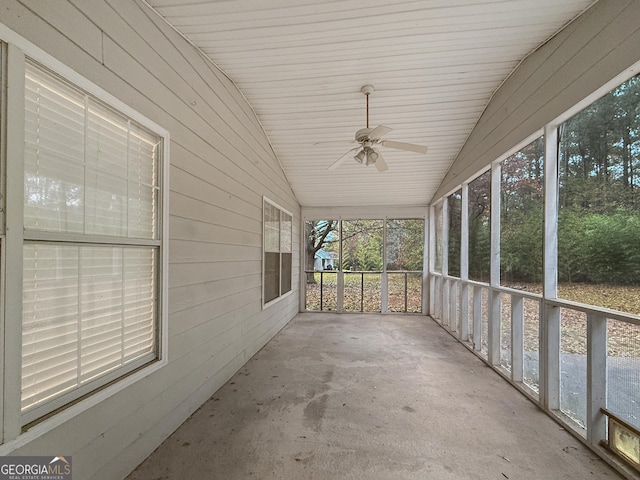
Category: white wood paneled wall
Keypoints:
(221, 166)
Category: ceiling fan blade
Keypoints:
(409, 147)
(379, 131)
(380, 164)
(342, 159)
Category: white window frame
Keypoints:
(15, 429)
(281, 295)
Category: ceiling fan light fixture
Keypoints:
(372, 156)
(368, 137)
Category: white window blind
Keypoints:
(88, 169)
(54, 154)
(271, 228)
(285, 232)
(89, 307)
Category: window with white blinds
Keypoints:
(277, 251)
(91, 243)
(88, 169)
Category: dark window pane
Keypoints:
(285, 279)
(271, 276)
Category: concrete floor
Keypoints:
(369, 397)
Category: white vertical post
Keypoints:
(596, 377)
(550, 315)
(445, 237)
(439, 307)
(432, 259)
(12, 250)
(3, 259)
(517, 337)
(340, 275)
(550, 357)
(384, 279)
(438, 298)
(464, 263)
(477, 318)
(453, 305)
(426, 287)
(302, 281)
(463, 298)
(493, 334)
(446, 297)
(495, 300)
(384, 287)
(445, 301)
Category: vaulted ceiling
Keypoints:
(434, 65)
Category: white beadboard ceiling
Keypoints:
(434, 65)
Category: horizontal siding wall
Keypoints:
(221, 166)
(600, 44)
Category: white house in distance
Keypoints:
(159, 159)
(324, 260)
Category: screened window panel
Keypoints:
(87, 311)
(438, 238)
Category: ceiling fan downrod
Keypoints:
(367, 90)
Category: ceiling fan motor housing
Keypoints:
(362, 135)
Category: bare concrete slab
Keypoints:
(369, 397)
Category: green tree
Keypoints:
(362, 245)
(455, 233)
(405, 244)
(479, 227)
(521, 199)
(599, 222)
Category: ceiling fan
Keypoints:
(369, 138)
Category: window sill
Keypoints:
(54, 421)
